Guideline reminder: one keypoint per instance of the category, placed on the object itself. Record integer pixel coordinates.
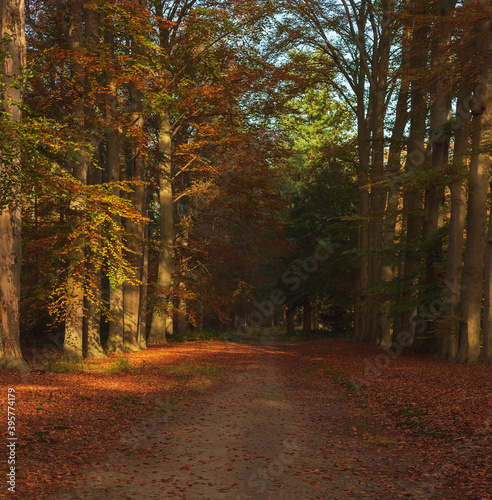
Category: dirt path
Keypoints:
(261, 435)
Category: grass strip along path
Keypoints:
(266, 420)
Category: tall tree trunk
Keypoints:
(115, 159)
(11, 26)
(391, 214)
(116, 330)
(476, 217)
(379, 88)
(471, 300)
(412, 200)
(435, 195)
(486, 354)
(454, 264)
(72, 346)
(135, 230)
(378, 202)
(486, 138)
(360, 319)
(142, 325)
(162, 319)
(92, 347)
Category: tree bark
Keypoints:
(391, 213)
(73, 343)
(412, 200)
(135, 230)
(12, 26)
(454, 263)
(379, 89)
(162, 320)
(142, 324)
(486, 353)
(116, 328)
(435, 195)
(115, 158)
(476, 219)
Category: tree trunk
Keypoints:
(439, 137)
(116, 327)
(73, 343)
(486, 47)
(476, 217)
(471, 301)
(306, 316)
(378, 202)
(181, 322)
(454, 264)
(162, 320)
(135, 230)
(412, 200)
(391, 214)
(486, 354)
(315, 314)
(115, 159)
(142, 325)
(12, 26)
(360, 320)
(291, 325)
(92, 338)
(379, 88)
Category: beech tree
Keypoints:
(12, 39)
(473, 266)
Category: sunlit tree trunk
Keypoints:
(92, 337)
(11, 26)
(486, 138)
(181, 322)
(476, 217)
(115, 158)
(135, 231)
(115, 338)
(72, 346)
(142, 325)
(92, 347)
(162, 319)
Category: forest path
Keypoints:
(264, 434)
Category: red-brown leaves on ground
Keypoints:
(65, 421)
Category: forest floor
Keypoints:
(265, 420)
